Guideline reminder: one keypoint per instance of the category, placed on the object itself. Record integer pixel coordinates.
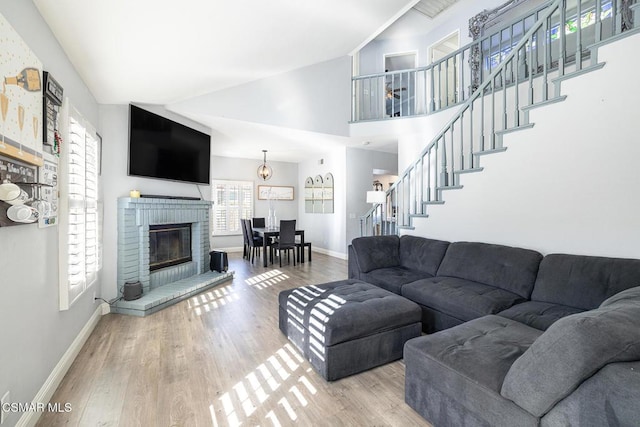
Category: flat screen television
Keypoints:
(162, 148)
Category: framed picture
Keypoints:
(274, 192)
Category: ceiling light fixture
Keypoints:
(264, 171)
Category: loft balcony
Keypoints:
(451, 80)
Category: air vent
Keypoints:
(431, 8)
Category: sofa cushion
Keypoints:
(572, 350)
(376, 252)
(421, 254)
(392, 278)
(512, 269)
(467, 363)
(539, 315)
(583, 281)
(460, 298)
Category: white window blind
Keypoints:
(233, 200)
(79, 204)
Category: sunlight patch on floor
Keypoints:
(276, 378)
(212, 299)
(265, 280)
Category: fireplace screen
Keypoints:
(169, 245)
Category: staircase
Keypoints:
(530, 76)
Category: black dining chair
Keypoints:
(245, 250)
(287, 240)
(259, 223)
(300, 250)
(255, 243)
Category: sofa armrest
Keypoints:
(573, 349)
(375, 252)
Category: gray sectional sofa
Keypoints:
(515, 338)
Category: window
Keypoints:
(79, 212)
(233, 201)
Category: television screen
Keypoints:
(162, 148)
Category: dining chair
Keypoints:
(255, 243)
(245, 250)
(287, 240)
(300, 250)
(259, 223)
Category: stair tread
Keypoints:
(549, 101)
(471, 170)
(491, 151)
(450, 187)
(418, 215)
(433, 202)
(584, 70)
(515, 129)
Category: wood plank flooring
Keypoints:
(219, 359)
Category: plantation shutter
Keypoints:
(233, 201)
(81, 208)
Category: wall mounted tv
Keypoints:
(162, 148)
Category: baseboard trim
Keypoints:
(44, 395)
(334, 254)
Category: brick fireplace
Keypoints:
(136, 216)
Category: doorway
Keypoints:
(400, 85)
(445, 74)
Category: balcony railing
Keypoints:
(451, 80)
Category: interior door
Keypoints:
(400, 84)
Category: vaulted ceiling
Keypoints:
(163, 51)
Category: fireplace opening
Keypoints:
(169, 245)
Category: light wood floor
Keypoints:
(219, 359)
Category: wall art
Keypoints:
(20, 98)
(275, 192)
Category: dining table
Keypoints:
(269, 232)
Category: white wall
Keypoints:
(570, 184)
(284, 173)
(35, 334)
(413, 134)
(360, 166)
(114, 122)
(326, 232)
(316, 98)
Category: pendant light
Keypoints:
(264, 171)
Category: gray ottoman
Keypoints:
(348, 326)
